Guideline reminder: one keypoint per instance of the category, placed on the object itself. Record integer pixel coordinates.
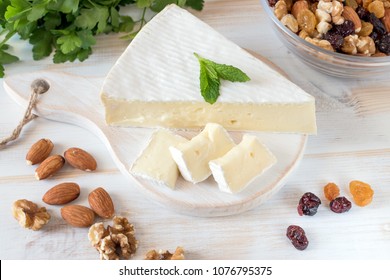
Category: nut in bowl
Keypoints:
(353, 55)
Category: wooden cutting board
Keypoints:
(76, 100)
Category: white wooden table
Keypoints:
(353, 143)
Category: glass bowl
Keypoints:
(328, 62)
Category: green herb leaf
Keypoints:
(42, 41)
(37, 12)
(159, 5)
(195, 4)
(1, 71)
(127, 24)
(69, 43)
(6, 58)
(87, 39)
(210, 75)
(230, 73)
(143, 3)
(209, 85)
(69, 27)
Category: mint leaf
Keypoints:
(230, 73)
(209, 85)
(210, 75)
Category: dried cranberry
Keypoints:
(308, 204)
(336, 40)
(377, 24)
(340, 205)
(297, 237)
(345, 29)
(383, 44)
(362, 13)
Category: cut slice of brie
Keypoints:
(241, 165)
(193, 157)
(155, 82)
(155, 162)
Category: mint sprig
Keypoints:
(211, 74)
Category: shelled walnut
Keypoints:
(29, 214)
(114, 242)
(161, 255)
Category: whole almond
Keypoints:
(350, 14)
(78, 215)
(80, 159)
(62, 193)
(39, 151)
(49, 166)
(101, 202)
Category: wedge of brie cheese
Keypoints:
(192, 157)
(155, 162)
(155, 82)
(235, 170)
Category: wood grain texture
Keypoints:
(349, 146)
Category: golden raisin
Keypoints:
(362, 192)
(331, 191)
(377, 8)
(366, 30)
(307, 20)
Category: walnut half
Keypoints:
(114, 242)
(29, 214)
(154, 255)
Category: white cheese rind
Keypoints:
(241, 165)
(155, 162)
(155, 82)
(192, 157)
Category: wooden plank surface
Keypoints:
(353, 143)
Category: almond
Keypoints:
(49, 166)
(78, 215)
(80, 159)
(350, 14)
(101, 202)
(62, 194)
(39, 151)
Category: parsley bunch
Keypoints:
(68, 27)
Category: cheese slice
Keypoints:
(193, 157)
(155, 162)
(155, 82)
(235, 170)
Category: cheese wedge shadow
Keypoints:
(235, 170)
(155, 83)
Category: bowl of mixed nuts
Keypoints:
(342, 38)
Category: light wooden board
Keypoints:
(75, 99)
(353, 142)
